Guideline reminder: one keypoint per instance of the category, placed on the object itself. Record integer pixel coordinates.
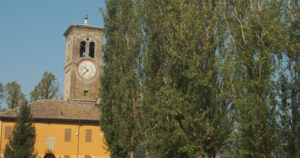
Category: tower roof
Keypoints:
(82, 27)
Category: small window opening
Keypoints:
(68, 132)
(82, 49)
(85, 93)
(92, 50)
(88, 135)
(8, 132)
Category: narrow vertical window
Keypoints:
(68, 135)
(8, 131)
(88, 135)
(85, 93)
(92, 50)
(82, 49)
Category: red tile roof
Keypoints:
(58, 110)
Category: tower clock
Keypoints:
(83, 64)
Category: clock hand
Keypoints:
(87, 70)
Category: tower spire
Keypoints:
(86, 18)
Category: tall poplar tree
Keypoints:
(290, 83)
(120, 85)
(197, 68)
(257, 34)
(186, 106)
(162, 103)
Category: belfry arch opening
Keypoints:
(82, 49)
(92, 50)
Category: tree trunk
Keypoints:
(131, 154)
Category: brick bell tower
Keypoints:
(83, 64)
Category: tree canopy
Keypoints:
(47, 88)
(120, 85)
(186, 78)
(21, 143)
(1, 92)
(13, 95)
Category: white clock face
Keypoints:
(87, 69)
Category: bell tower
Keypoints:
(83, 64)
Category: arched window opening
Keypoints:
(92, 50)
(49, 155)
(82, 49)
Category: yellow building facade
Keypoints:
(63, 130)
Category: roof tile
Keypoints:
(58, 109)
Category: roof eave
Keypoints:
(56, 120)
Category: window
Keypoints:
(85, 93)
(82, 49)
(68, 132)
(8, 131)
(87, 156)
(92, 50)
(88, 135)
(66, 156)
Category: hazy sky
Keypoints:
(31, 37)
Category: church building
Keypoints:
(69, 128)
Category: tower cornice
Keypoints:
(82, 27)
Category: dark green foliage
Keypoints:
(1, 93)
(21, 144)
(47, 88)
(202, 77)
(289, 135)
(120, 86)
(289, 81)
(257, 33)
(13, 95)
(186, 109)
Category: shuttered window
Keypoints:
(8, 131)
(87, 156)
(66, 156)
(88, 135)
(68, 135)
